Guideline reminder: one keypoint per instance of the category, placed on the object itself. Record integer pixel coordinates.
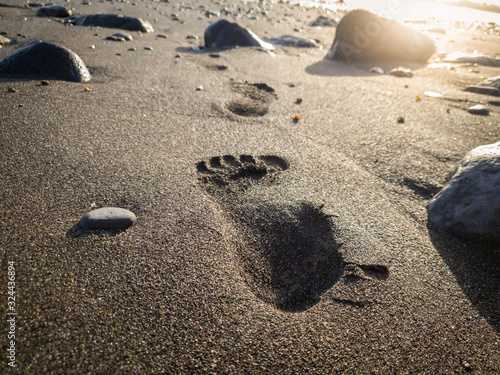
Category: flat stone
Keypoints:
(293, 41)
(43, 60)
(225, 34)
(469, 205)
(472, 58)
(113, 21)
(490, 86)
(53, 11)
(108, 218)
(479, 110)
(364, 36)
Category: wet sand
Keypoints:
(226, 186)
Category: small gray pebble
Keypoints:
(148, 48)
(479, 110)
(108, 218)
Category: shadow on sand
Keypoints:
(333, 68)
(476, 267)
(76, 231)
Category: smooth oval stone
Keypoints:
(479, 110)
(469, 205)
(112, 21)
(364, 36)
(225, 34)
(108, 218)
(43, 60)
(53, 11)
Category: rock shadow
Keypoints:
(476, 267)
(333, 68)
(76, 231)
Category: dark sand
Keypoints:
(194, 286)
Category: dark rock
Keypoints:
(53, 11)
(44, 61)
(485, 90)
(324, 21)
(469, 204)
(113, 21)
(490, 86)
(293, 41)
(364, 36)
(108, 218)
(225, 34)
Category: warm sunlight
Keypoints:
(423, 10)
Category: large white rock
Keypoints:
(469, 206)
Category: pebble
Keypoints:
(469, 204)
(120, 37)
(161, 36)
(324, 21)
(148, 48)
(376, 69)
(108, 218)
(479, 110)
(199, 88)
(401, 72)
(4, 40)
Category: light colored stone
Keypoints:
(479, 109)
(108, 218)
(469, 205)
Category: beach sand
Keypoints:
(202, 282)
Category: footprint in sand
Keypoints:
(256, 98)
(287, 253)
